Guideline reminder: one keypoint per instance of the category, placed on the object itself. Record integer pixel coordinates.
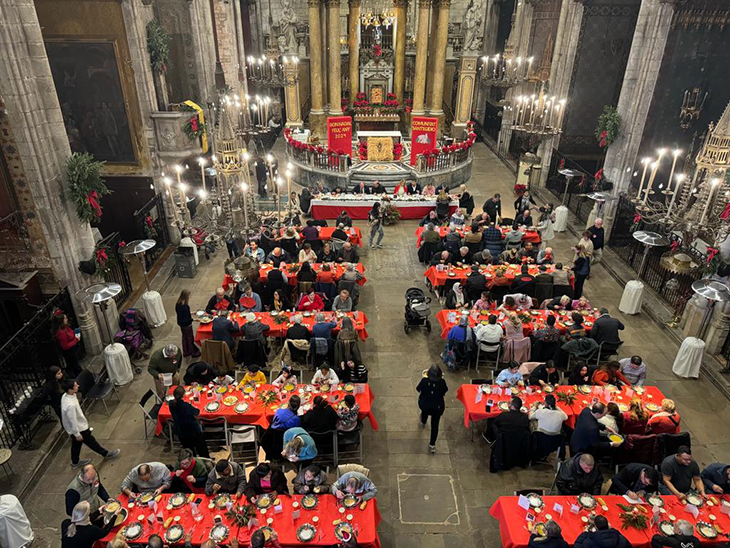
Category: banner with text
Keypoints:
(339, 134)
(423, 136)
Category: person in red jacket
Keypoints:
(609, 373)
(68, 341)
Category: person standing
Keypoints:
(185, 321)
(581, 270)
(432, 390)
(186, 425)
(75, 423)
(261, 173)
(68, 341)
(375, 221)
(597, 237)
(165, 361)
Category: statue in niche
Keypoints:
(289, 25)
(473, 26)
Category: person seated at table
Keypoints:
(492, 239)
(491, 333)
(483, 257)
(287, 417)
(258, 540)
(452, 239)
(311, 479)
(550, 421)
(513, 238)
(609, 373)
(339, 233)
(665, 421)
(508, 304)
(509, 376)
(499, 279)
(561, 280)
(443, 258)
(513, 329)
(322, 329)
(342, 302)
(222, 329)
(343, 219)
(78, 531)
(413, 188)
(462, 258)
(545, 374)
(545, 256)
(510, 256)
(613, 419)
(681, 474)
(310, 232)
(716, 478)
(277, 257)
(634, 369)
(577, 330)
(461, 332)
(683, 536)
(226, 477)
(513, 421)
(279, 301)
(456, 298)
(285, 377)
(299, 446)
(255, 330)
(310, 301)
(578, 475)
(606, 327)
(482, 303)
(254, 252)
(200, 373)
(475, 283)
(429, 190)
(524, 283)
(354, 483)
(362, 188)
(220, 301)
(525, 218)
(297, 331)
(289, 241)
(562, 302)
(348, 254)
(581, 304)
(326, 275)
(348, 411)
(250, 301)
(224, 380)
(307, 254)
(327, 254)
(580, 375)
(548, 333)
(473, 236)
(352, 371)
(265, 479)
(636, 418)
(458, 219)
(325, 375)
(528, 253)
(586, 436)
(321, 417)
(150, 477)
(190, 474)
(253, 376)
(400, 188)
(553, 537)
(306, 273)
(603, 537)
(634, 480)
(430, 219)
(185, 423)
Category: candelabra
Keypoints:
(270, 70)
(691, 107)
(505, 72)
(538, 115)
(376, 16)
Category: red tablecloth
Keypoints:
(264, 270)
(364, 522)
(359, 209)
(260, 414)
(538, 317)
(439, 277)
(205, 330)
(514, 533)
(530, 235)
(325, 233)
(473, 411)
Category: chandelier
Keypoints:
(538, 115)
(505, 72)
(271, 71)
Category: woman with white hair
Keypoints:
(552, 538)
(78, 532)
(299, 446)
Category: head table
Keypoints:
(532, 320)
(260, 413)
(276, 329)
(475, 405)
(450, 273)
(513, 518)
(285, 520)
(291, 272)
(357, 206)
(532, 236)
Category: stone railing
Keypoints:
(442, 161)
(326, 161)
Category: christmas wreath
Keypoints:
(86, 188)
(158, 46)
(193, 128)
(609, 126)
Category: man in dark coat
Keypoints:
(716, 478)
(683, 537)
(635, 477)
(475, 283)
(586, 436)
(223, 330)
(493, 208)
(579, 475)
(606, 328)
(298, 331)
(603, 537)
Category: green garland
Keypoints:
(609, 126)
(158, 46)
(86, 188)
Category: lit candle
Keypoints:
(710, 196)
(168, 182)
(289, 167)
(561, 113)
(201, 161)
(675, 154)
(654, 168)
(680, 180)
(644, 161)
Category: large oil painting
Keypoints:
(86, 75)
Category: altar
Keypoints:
(380, 146)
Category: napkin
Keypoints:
(478, 396)
(523, 502)
(558, 508)
(692, 509)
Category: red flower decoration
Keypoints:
(602, 142)
(377, 50)
(599, 175)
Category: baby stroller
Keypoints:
(418, 310)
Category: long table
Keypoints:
(453, 273)
(358, 207)
(260, 414)
(354, 234)
(475, 410)
(293, 268)
(537, 319)
(364, 521)
(205, 330)
(532, 236)
(513, 519)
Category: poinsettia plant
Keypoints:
(362, 150)
(397, 151)
(377, 51)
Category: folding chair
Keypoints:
(215, 431)
(354, 437)
(552, 490)
(96, 387)
(326, 443)
(494, 349)
(153, 411)
(607, 349)
(245, 437)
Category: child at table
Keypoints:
(224, 380)
(286, 376)
(253, 375)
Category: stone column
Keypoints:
(291, 94)
(316, 114)
(432, 41)
(333, 39)
(439, 68)
(419, 80)
(353, 46)
(642, 69)
(399, 72)
(465, 95)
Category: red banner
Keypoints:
(339, 134)
(423, 136)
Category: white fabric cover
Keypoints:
(632, 297)
(561, 219)
(15, 531)
(154, 309)
(188, 242)
(689, 358)
(116, 360)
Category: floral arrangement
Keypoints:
(104, 258)
(268, 397)
(633, 516)
(568, 398)
(397, 151)
(193, 128)
(299, 145)
(362, 150)
(241, 514)
(391, 215)
(280, 318)
(409, 105)
(461, 145)
(344, 102)
(151, 231)
(519, 189)
(294, 268)
(158, 46)
(377, 51)
(86, 188)
(609, 126)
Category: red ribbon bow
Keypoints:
(101, 257)
(93, 199)
(599, 175)
(602, 142)
(637, 218)
(149, 221)
(711, 252)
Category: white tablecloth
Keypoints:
(632, 297)
(117, 364)
(154, 309)
(15, 531)
(561, 219)
(689, 358)
(188, 242)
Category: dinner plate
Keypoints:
(145, 498)
(349, 501)
(274, 313)
(306, 532)
(652, 407)
(585, 389)
(655, 500)
(349, 387)
(451, 274)
(705, 529)
(241, 407)
(615, 438)
(486, 388)
(221, 389)
(264, 501)
(230, 400)
(219, 533)
(343, 531)
(119, 518)
(503, 405)
(587, 501)
(639, 390)
(112, 507)
(212, 407)
(539, 530)
(200, 313)
(310, 501)
(548, 389)
(221, 500)
(206, 320)
(623, 407)
(177, 500)
(174, 533)
(666, 528)
(248, 388)
(132, 531)
(288, 387)
(325, 388)
(535, 500)
(695, 499)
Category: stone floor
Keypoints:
(429, 501)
